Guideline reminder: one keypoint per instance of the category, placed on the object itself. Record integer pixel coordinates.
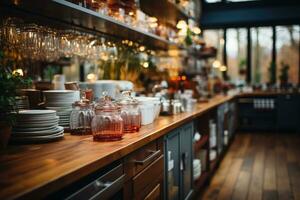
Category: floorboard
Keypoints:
(258, 166)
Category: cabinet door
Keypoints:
(144, 184)
(288, 112)
(220, 127)
(155, 193)
(172, 165)
(232, 119)
(186, 160)
(108, 186)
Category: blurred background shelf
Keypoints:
(199, 183)
(201, 143)
(65, 14)
(166, 11)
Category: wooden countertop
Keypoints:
(265, 93)
(37, 170)
(27, 170)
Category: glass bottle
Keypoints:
(81, 117)
(116, 9)
(78, 2)
(107, 125)
(130, 112)
(95, 5)
(103, 9)
(130, 8)
(88, 4)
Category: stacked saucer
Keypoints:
(22, 102)
(36, 126)
(196, 168)
(61, 101)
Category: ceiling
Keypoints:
(228, 14)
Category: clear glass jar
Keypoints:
(116, 9)
(81, 117)
(107, 125)
(95, 5)
(130, 113)
(130, 11)
(103, 8)
(78, 2)
(87, 4)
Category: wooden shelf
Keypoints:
(213, 164)
(67, 13)
(166, 11)
(204, 53)
(199, 183)
(200, 144)
(43, 176)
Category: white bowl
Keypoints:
(151, 100)
(147, 113)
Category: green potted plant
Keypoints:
(242, 66)
(9, 84)
(188, 40)
(272, 73)
(284, 75)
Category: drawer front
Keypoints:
(172, 172)
(186, 161)
(155, 194)
(105, 187)
(140, 159)
(148, 179)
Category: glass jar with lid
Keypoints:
(81, 117)
(116, 9)
(107, 125)
(103, 8)
(130, 112)
(130, 7)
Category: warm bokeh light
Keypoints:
(196, 30)
(222, 41)
(142, 48)
(152, 19)
(145, 64)
(181, 24)
(18, 71)
(91, 77)
(223, 68)
(216, 64)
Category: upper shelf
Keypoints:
(204, 52)
(67, 13)
(165, 11)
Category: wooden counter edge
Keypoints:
(76, 173)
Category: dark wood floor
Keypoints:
(258, 166)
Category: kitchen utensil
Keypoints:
(81, 117)
(130, 112)
(107, 125)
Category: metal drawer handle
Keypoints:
(152, 155)
(245, 100)
(100, 184)
(183, 163)
(109, 188)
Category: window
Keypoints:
(215, 38)
(287, 48)
(239, 0)
(236, 48)
(261, 52)
(212, 1)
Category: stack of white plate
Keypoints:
(61, 101)
(196, 168)
(36, 126)
(212, 155)
(22, 102)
